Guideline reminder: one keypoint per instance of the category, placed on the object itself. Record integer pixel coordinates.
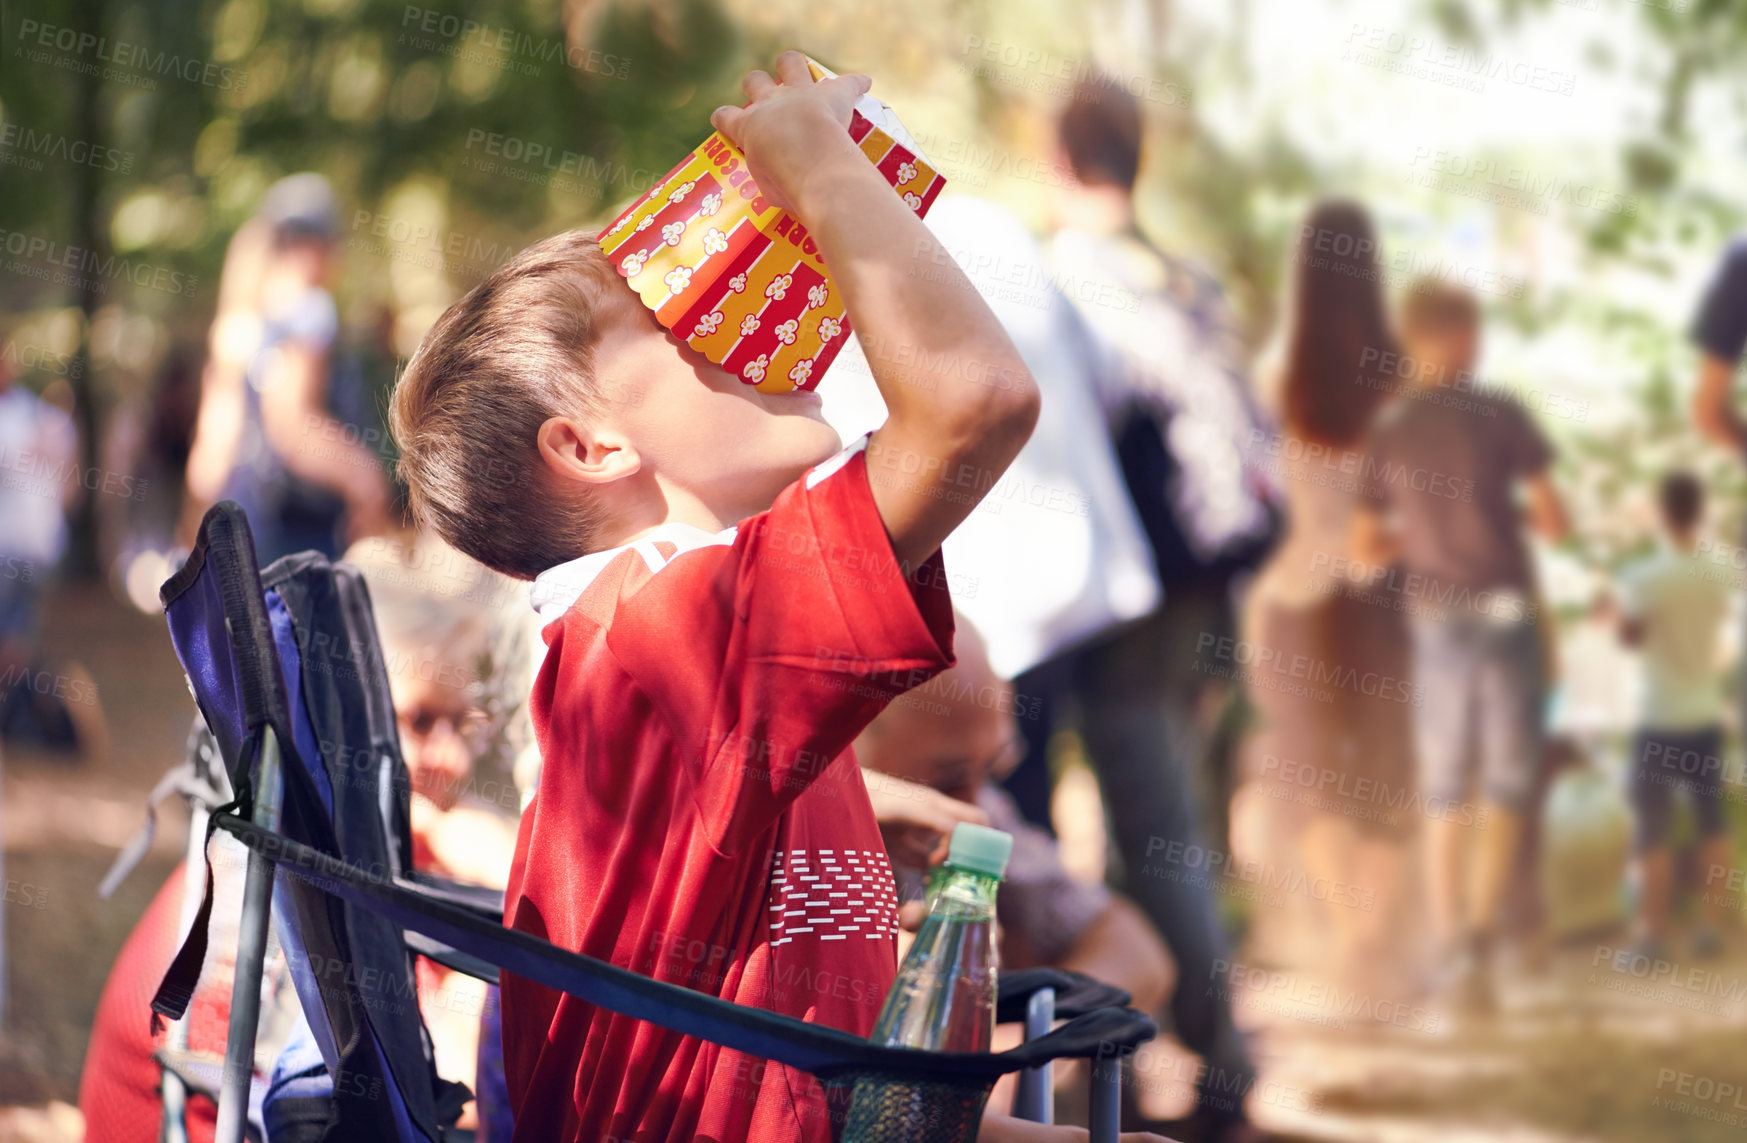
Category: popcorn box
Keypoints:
(738, 277)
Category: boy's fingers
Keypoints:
(756, 83)
(792, 68)
(952, 811)
(941, 851)
(942, 812)
(937, 819)
(727, 121)
(842, 91)
(856, 86)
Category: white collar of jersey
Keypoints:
(557, 588)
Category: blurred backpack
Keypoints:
(1175, 389)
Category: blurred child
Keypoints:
(1447, 460)
(1674, 610)
(731, 597)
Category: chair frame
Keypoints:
(245, 1011)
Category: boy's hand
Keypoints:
(916, 820)
(788, 130)
(960, 402)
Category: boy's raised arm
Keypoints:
(960, 400)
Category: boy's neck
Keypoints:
(673, 505)
(1685, 543)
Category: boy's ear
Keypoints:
(589, 454)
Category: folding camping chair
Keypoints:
(289, 677)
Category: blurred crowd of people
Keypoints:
(1291, 616)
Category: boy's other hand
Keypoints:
(791, 126)
(916, 820)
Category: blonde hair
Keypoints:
(435, 604)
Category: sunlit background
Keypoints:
(1582, 164)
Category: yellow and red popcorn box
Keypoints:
(738, 277)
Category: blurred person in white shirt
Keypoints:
(1674, 609)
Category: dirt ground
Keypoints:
(62, 821)
(1581, 1052)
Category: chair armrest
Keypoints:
(1075, 993)
(477, 967)
(1100, 1034)
(477, 899)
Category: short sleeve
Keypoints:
(1720, 328)
(769, 659)
(311, 320)
(1528, 448)
(1040, 904)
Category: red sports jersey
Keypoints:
(700, 816)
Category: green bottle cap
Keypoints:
(980, 849)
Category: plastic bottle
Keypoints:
(944, 997)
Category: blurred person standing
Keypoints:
(1172, 383)
(1447, 460)
(1063, 516)
(1674, 609)
(151, 431)
(1323, 757)
(1060, 513)
(1720, 332)
(266, 435)
(39, 480)
(45, 704)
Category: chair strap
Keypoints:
(176, 990)
(184, 778)
(815, 1048)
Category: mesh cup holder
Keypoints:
(908, 1107)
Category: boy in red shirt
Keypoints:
(729, 597)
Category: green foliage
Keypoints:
(373, 93)
(546, 115)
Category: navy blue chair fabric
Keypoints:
(295, 648)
